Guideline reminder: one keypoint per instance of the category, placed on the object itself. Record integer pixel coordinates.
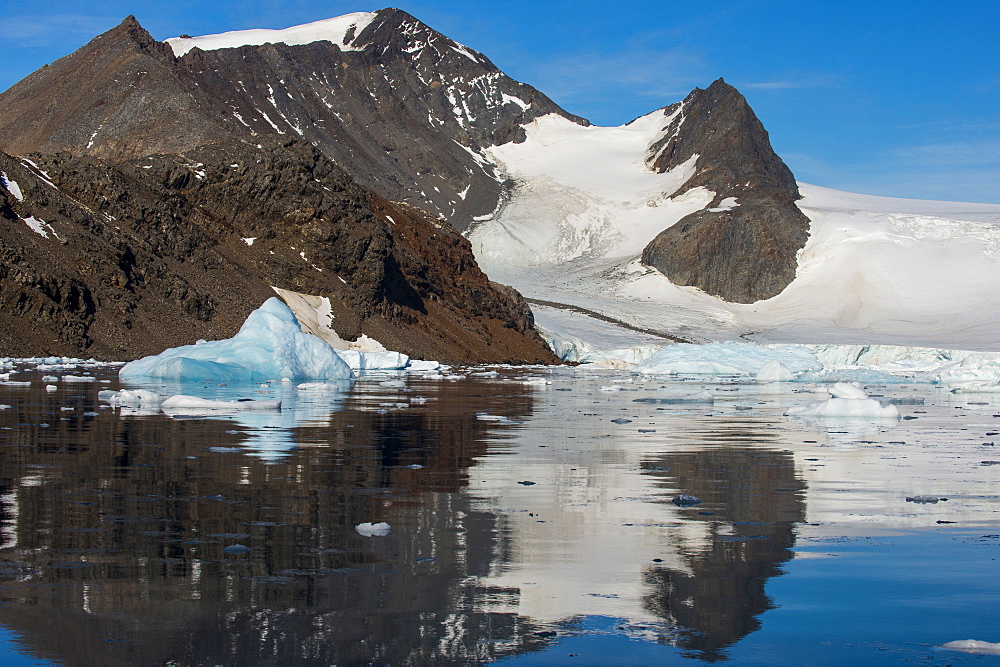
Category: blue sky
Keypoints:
(892, 98)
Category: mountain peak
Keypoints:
(129, 29)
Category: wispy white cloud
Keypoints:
(795, 80)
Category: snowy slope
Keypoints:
(875, 269)
(341, 30)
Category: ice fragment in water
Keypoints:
(269, 346)
(775, 371)
(848, 400)
(367, 529)
(973, 646)
(182, 404)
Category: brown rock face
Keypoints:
(403, 110)
(741, 253)
(154, 253)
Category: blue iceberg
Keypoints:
(269, 346)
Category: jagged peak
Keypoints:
(129, 29)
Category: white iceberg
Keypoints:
(185, 405)
(367, 529)
(848, 400)
(973, 646)
(136, 398)
(269, 346)
(374, 361)
(775, 371)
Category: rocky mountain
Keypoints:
(162, 156)
(401, 107)
(122, 260)
(742, 246)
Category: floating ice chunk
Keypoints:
(367, 529)
(131, 397)
(269, 346)
(374, 361)
(533, 381)
(847, 390)
(51, 388)
(973, 646)
(320, 386)
(181, 404)
(14, 383)
(847, 400)
(4, 406)
(423, 365)
(775, 371)
(78, 378)
(611, 387)
(974, 388)
(50, 378)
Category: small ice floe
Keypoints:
(611, 387)
(486, 417)
(14, 383)
(79, 378)
(4, 406)
(51, 387)
(181, 404)
(418, 400)
(50, 378)
(135, 398)
(975, 388)
(534, 382)
(320, 386)
(848, 400)
(775, 371)
(367, 529)
(973, 646)
(684, 500)
(419, 365)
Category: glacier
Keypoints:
(876, 270)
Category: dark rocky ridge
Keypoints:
(401, 114)
(748, 252)
(150, 253)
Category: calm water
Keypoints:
(530, 523)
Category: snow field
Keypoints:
(333, 30)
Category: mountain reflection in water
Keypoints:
(518, 511)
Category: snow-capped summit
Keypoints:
(406, 110)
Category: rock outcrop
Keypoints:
(119, 260)
(743, 246)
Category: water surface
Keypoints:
(532, 519)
